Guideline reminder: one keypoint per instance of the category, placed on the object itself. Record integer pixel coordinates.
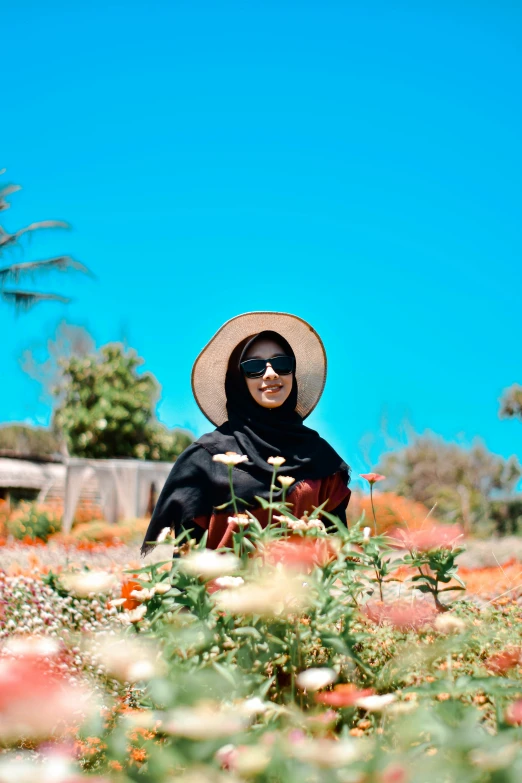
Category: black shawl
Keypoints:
(197, 484)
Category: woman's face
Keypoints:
(271, 390)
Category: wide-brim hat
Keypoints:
(210, 367)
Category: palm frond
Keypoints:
(6, 191)
(13, 272)
(10, 239)
(24, 300)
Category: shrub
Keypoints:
(391, 511)
(33, 520)
(98, 531)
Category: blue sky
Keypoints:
(358, 164)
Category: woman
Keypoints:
(257, 379)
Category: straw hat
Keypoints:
(210, 368)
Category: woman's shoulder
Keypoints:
(219, 441)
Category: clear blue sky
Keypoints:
(356, 163)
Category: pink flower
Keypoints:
(372, 478)
(301, 553)
(514, 713)
(428, 538)
(36, 702)
(403, 615)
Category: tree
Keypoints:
(511, 403)
(12, 273)
(106, 409)
(462, 482)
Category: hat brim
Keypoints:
(210, 368)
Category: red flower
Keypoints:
(514, 713)
(428, 538)
(301, 553)
(503, 661)
(403, 615)
(343, 695)
(372, 478)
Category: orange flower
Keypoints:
(372, 478)
(403, 615)
(126, 589)
(343, 695)
(503, 661)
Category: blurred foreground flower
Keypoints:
(205, 722)
(326, 753)
(448, 623)
(209, 564)
(33, 646)
(35, 702)
(83, 583)
(127, 659)
(301, 553)
(273, 595)
(403, 615)
(55, 767)
(315, 679)
(428, 538)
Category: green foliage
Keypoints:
(462, 482)
(22, 441)
(33, 520)
(106, 409)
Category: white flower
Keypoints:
(204, 722)
(83, 583)
(33, 646)
(127, 660)
(230, 581)
(272, 596)
(448, 623)
(254, 706)
(135, 615)
(315, 679)
(317, 524)
(286, 481)
(117, 601)
(277, 461)
(375, 703)
(230, 458)
(162, 587)
(143, 595)
(325, 752)
(242, 520)
(101, 424)
(209, 564)
(297, 524)
(367, 531)
(165, 533)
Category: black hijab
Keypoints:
(197, 484)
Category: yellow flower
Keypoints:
(286, 481)
(277, 461)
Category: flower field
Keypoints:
(306, 652)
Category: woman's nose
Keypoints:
(269, 372)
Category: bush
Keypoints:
(391, 511)
(33, 520)
(100, 532)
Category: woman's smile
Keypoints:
(271, 390)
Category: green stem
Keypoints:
(271, 495)
(373, 510)
(230, 481)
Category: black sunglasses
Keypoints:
(256, 368)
